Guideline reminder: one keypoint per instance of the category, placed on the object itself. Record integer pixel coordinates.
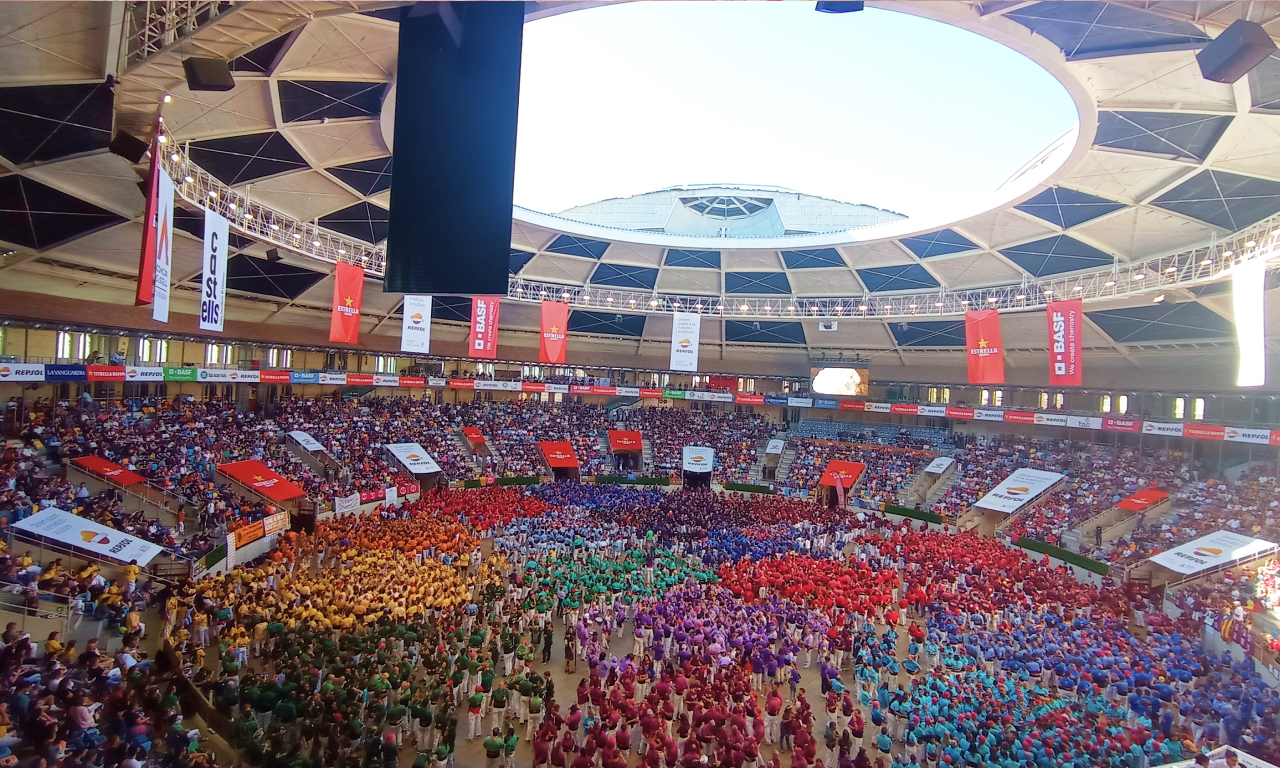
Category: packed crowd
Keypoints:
(987, 461)
(886, 476)
(736, 438)
(515, 427)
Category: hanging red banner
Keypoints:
(483, 341)
(348, 294)
(1066, 343)
(985, 353)
(554, 344)
(150, 234)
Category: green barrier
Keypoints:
(518, 481)
(1045, 548)
(215, 556)
(747, 488)
(624, 480)
(928, 517)
(474, 483)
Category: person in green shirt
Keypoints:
(535, 716)
(509, 748)
(499, 698)
(475, 703)
(526, 692)
(264, 705)
(493, 748)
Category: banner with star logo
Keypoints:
(262, 479)
(985, 352)
(554, 345)
(348, 293)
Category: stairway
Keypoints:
(757, 469)
(647, 454)
(465, 448)
(784, 466)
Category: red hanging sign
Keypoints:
(554, 344)
(1066, 343)
(348, 294)
(150, 235)
(985, 353)
(483, 341)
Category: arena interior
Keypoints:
(723, 474)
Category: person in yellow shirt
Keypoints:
(53, 646)
(131, 572)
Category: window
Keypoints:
(933, 394)
(998, 397)
(1122, 404)
(1105, 405)
(1059, 399)
(153, 350)
(1197, 408)
(985, 399)
(384, 364)
(1044, 399)
(279, 358)
(484, 369)
(1179, 407)
(71, 345)
(946, 394)
(217, 354)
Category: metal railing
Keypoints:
(153, 25)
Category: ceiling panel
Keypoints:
(625, 276)
(338, 143)
(1166, 134)
(638, 255)
(1252, 146)
(1140, 233)
(363, 221)
(562, 269)
(342, 48)
(735, 260)
(1162, 322)
(38, 217)
(1088, 29)
(103, 179)
(1123, 177)
(237, 160)
(676, 257)
(53, 42)
(825, 282)
(999, 228)
(1227, 200)
(305, 196)
(941, 243)
(881, 254)
(303, 100)
(696, 281)
(45, 122)
(929, 333)
(974, 270)
(763, 332)
(762, 283)
(203, 114)
(1065, 208)
(911, 277)
(1055, 255)
(1157, 80)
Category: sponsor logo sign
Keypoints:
(1211, 551)
(1017, 489)
(698, 458)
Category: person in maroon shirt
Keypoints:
(541, 750)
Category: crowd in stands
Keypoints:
(515, 427)
(736, 438)
(887, 475)
(985, 462)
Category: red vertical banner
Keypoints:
(484, 327)
(553, 346)
(985, 353)
(150, 235)
(348, 294)
(1066, 343)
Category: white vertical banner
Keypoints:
(685, 329)
(415, 328)
(164, 247)
(1248, 281)
(213, 291)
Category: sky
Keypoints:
(876, 107)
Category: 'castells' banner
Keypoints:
(1066, 344)
(213, 293)
(415, 328)
(685, 329)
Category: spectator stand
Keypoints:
(420, 464)
(99, 474)
(476, 445)
(931, 483)
(560, 459)
(627, 449)
(1144, 506)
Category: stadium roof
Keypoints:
(1164, 163)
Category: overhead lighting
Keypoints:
(297, 235)
(213, 194)
(964, 301)
(744, 307)
(698, 307)
(791, 308)
(1227, 253)
(1020, 297)
(1048, 291)
(814, 308)
(991, 299)
(1207, 263)
(937, 304)
(274, 227)
(609, 299)
(233, 206)
(188, 178)
(1171, 269)
(1251, 244)
(719, 307)
(862, 307)
(631, 301)
(1139, 276)
(175, 157)
(768, 308)
(342, 251)
(564, 295)
(653, 302)
(168, 97)
(888, 307)
(162, 139)
(911, 306)
(1110, 283)
(315, 243)
(1078, 288)
(1158, 299)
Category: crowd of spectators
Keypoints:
(515, 427)
(736, 438)
(984, 462)
(887, 475)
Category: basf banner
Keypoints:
(1017, 489)
(1066, 344)
(698, 458)
(213, 291)
(483, 341)
(60, 525)
(415, 327)
(413, 457)
(685, 329)
(1206, 552)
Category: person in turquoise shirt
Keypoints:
(883, 742)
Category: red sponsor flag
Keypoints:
(985, 353)
(483, 341)
(1066, 343)
(554, 345)
(348, 294)
(150, 235)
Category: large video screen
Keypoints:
(852, 382)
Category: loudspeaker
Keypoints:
(838, 6)
(129, 147)
(1241, 47)
(273, 254)
(208, 74)
(454, 159)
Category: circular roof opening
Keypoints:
(880, 110)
